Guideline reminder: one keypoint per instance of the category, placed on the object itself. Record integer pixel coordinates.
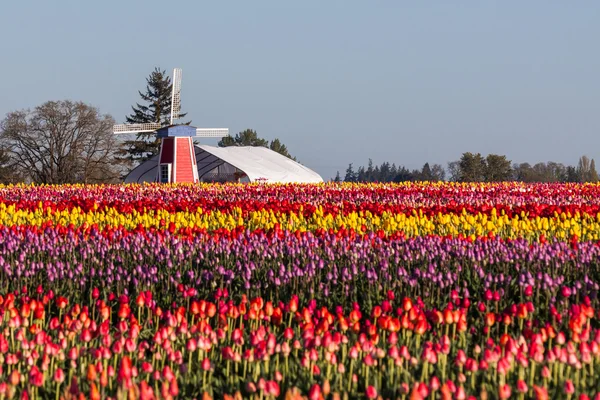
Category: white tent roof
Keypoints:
(258, 163)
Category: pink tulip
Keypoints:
(504, 391)
(315, 392)
(569, 387)
(59, 376)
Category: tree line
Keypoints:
(72, 142)
(473, 167)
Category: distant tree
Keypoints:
(385, 172)
(497, 168)
(393, 172)
(586, 170)
(472, 167)
(280, 148)
(454, 171)
(572, 175)
(522, 172)
(593, 174)
(438, 173)
(425, 173)
(9, 173)
(370, 172)
(247, 137)
(404, 175)
(361, 174)
(557, 172)
(62, 142)
(337, 178)
(350, 174)
(157, 109)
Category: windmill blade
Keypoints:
(212, 132)
(136, 128)
(176, 95)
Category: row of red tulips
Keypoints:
(117, 346)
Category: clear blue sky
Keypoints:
(337, 81)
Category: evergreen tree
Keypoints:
(572, 175)
(403, 175)
(361, 175)
(593, 174)
(157, 109)
(247, 137)
(377, 175)
(350, 174)
(369, 173)
(384, 172)
(393, 173)
(425, 174)
(337, 178)
(280, 148)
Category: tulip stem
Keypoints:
(350, 375)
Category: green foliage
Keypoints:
(556, 172)
(249, 137)
(157, 108)
(472, 167)
(280, 148)
(497, 168)
(337, 178)
(350, 174)
(390, 173)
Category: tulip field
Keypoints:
(329, 291)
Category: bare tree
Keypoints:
(454, 171)
(62, 142)
(586, 169)
(8, 172)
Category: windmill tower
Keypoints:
(177, 158)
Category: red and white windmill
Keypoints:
(177, 158)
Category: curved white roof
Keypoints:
(258, 163)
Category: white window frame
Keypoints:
(160, 171)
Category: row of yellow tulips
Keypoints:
(584, 226)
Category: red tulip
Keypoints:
(36, 377)
(371, 392)
(61, 302)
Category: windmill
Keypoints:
(177, 158)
